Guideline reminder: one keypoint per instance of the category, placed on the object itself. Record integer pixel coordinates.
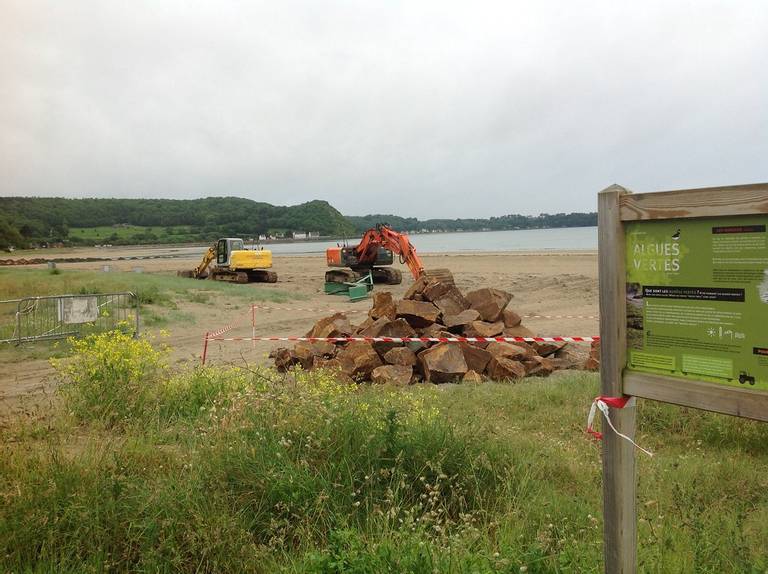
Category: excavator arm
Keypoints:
(209, 256)
(367, 257)
(385, 236)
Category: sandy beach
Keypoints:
(559, 289)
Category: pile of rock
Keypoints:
(434, 309)
(43, 261)
(36, 261)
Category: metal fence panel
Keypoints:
(8, 311)
(62, 316)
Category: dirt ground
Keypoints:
(560, 287)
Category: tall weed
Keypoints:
(109, 377)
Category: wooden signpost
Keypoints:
(683, 315)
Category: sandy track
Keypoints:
(550, 284)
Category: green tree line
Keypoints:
(504, 222)
(33, 220)
(28, 221)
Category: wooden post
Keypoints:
(205, 347)
(619, 517)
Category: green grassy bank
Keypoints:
(141, 469)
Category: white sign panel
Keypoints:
(75, 310)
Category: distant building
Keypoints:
(299, 235)
(262, 237)
(314, 234)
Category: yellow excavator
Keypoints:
(234, 263)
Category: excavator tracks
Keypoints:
(381, 275)
(242, 277)
(387, 275)
(261, 276)
(342, 276)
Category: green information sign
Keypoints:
(697, 299)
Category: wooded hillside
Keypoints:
(29, 221)
(51, 219)
(504, 222)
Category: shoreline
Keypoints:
(83, 258)
(43, 252)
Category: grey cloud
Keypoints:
(429, 109)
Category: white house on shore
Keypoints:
(306, 235)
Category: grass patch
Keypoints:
(127, 234)
(211, 470)
(199, 297)
(151, 288)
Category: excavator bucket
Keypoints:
(355, 291)
(441, 275)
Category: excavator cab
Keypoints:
(348, 257)
(224, 249)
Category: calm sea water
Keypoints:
(566, 239)
(570, 238)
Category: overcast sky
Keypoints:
(419, 108)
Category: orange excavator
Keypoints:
(374, 254)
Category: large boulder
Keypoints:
(593, 361)
(539, 367)
(324, 349)
(392, 374)
(476, 358)
(489, 302)
(330, 364)
(512, 351)
(510, 318)
(445, 296)
(452, 303)
(400, 356)
(443, 363)
(484, 329)
(518, 331)
(435, 330)
(383, 306)
(356, 330)
(417, 313)
(416, 346)
(573, 356)
(358, 359)
(433, 290)
(399, 328)
(416, 288)
(472, 377)
(284, 359)
(375, 327)
(334, 326)
(460, 320)
(302, 352)
(545, 349)
(502, 369)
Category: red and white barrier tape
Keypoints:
(217, 335)
(417, 339)
(603, 404)
(224, 329)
